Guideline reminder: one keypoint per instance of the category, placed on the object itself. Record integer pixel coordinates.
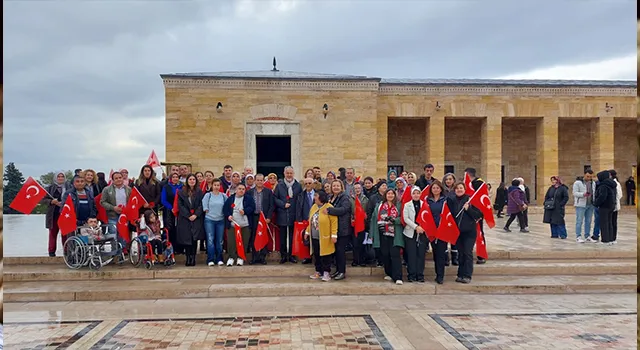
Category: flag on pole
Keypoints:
(469, 190)
(136, 201)
(262, 233)
(68, 221)
(425, 193)
(480, 199)
(28, 197)
(359, 217)
(448, 230)
(481, 245)
(425, 220)
(239, 244)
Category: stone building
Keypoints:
(503, 128)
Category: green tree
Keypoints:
(47, 179)
(13, 181)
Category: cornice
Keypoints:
(273, 85)
(386, 90)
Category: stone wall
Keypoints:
(519, 150)
(407, 143)
(463, 144)
(574, 149)
(625, 149)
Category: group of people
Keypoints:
(598, 197)
(209, 209)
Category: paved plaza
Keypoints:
(462, 319)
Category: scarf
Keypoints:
(386, 211)
(558, 181)
(55, 179)
(289, 186)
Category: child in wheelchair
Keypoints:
(151, 231)
(92, 233)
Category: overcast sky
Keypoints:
(83, 87)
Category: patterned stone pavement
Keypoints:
(332, 322)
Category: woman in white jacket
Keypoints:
(415, 239)
(614, 175)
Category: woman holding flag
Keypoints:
(436, 201)
(466, 218)
(415, 238)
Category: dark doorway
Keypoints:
(273, 153)
(449, 169)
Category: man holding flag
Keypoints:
(82, 201)
(261, 218)
(472, 184)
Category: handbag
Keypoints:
(549, 204)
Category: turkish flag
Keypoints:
(203, 186)
(262, 233)
(239, 244)
(481, 200)
(268, 185)
(175, 210)
(468, 185)
(136, 201)
(123, 228)
(110, 175)
(298, 248)
(153, 161)
(357, 179)
(406, 198)
(29, 196)
(102, 212)
(481, 245)
(448, 229)
(68, 221)
(425, 220)
(359, 217)
(425, 193)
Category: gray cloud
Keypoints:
(82, 85)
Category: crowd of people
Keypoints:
(209, 209)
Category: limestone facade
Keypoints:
(503, 129)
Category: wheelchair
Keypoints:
(80, 251)
(141, 251)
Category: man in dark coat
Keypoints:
(285, 196)
(263, 198)
(605, 201)
(304, 202)
(427, 178)
(476, 182)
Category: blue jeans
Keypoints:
(596, 224)
(558, 231)
(583, 214)
(215, 237)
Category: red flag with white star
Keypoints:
(425, 193)
(425, 220)
(448, 229)
(481, 200)
(136, 201)
(123, 228)
(406, 198)
(102, 212)
(153, 161)
(262, 233)
(68, 221)
(469, 190)
(358, 218)
(28, 197)
(239, 244)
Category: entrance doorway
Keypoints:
(273, 153)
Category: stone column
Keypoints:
(491, 150)
(435, 144)
(382, 144)
(602, 151)
(547, 153)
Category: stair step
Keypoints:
(14, 273)
(302, 286)
(589, 252)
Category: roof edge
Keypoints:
(216, 77)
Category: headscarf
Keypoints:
(392, 184)
(326, 179)
(55, 179)
(558, 180)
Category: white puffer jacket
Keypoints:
(618, 194)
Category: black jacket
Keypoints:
(560, 197)
(286, 217)
(303, 207)
(501, 198)
(268, 205)
(342, 209)
(422, 182)
(190, 231)
(605, 197)
(248, 205)
(468, 218)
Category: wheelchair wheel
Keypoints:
(75, 253)
(121, 258)
(148, 264)
(136, 252)
(95, 263)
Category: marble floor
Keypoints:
(330, 322)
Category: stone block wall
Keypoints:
(407, 143)
(625, 150)
(519, 155)
(575, 138)
(463, 148)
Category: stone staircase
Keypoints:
(508, 272)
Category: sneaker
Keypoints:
(399, 282)
(315, 276)
(230, 262)
(459, 279)
(211, 263)
(240, 262)
(591, 240)
(220, 263)
(465, 280)
(326, 277)
(611, 243)
(524, 230)
(506, 229)
(580, 240)
(614, 242)
(387, 278)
